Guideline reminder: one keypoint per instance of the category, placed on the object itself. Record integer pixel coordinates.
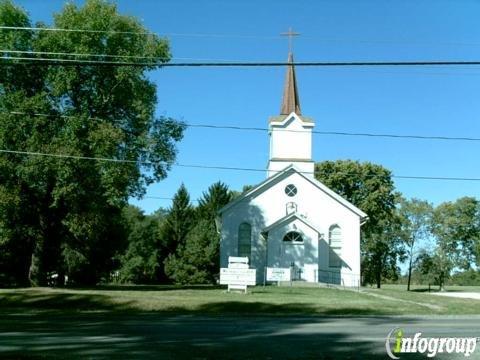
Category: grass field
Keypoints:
(209, 300)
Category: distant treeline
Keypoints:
(78, 141)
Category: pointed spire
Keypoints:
(290, 102)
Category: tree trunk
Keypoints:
(441, 281)
(36, 272)
(409, 272)
(379, 277)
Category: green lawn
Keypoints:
(211, 300)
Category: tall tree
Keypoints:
(456, 226)
(436, 266)
(415, 218)
(197, 261)
(178, 222)
(369, 187)
(142, 261)
(64, 211)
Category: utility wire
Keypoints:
(110, 56)
(214, 167)
(28, 28)
(30, 52)
(15, 61)
(263, 129)
(163, 198)
(340, 133)
(242, 36)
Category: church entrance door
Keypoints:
(293, 256)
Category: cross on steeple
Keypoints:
(290, 33)
(290, 101)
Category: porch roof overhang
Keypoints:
(288, 219)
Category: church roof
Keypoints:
(291, 101)
(287, 219)
(285, 172)
(281, 118)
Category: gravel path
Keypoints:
(458, 294)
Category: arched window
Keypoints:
(244, 239)
(293, 237)
(335, 242)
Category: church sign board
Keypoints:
(279, 274)
(237, 276)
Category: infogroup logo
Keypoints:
(397, 343)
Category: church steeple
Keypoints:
(291, 101)
(290, 133)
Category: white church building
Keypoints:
(291, 220)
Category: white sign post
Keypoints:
(279, 274)
(238, 276)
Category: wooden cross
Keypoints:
(290, 33)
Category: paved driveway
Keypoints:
(458, 294)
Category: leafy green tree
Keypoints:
(197, 261)
(216, 197)
(178, 222)
(456, 226)
(369, 187)
(436, 266)
(142, 261)
(63, 214)
(415, 218)
(469, 277)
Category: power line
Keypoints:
(47, 53)
(66, 156)
(242, 36)
(215, 167)
(15, 61)
(30, 52)
(164, 198)
(263, 129)
(28, 28)
(340, 133)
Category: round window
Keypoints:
(291, 190)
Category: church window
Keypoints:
(244, 239)
(335, 242)
(291, 190)
(293, 237)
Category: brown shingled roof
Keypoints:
(290, 102)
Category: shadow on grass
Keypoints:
(151, 287)
(59, 302)
(423, 290)
(64, 303)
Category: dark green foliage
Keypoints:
(142, 261)
(369, 187)
(63, 215)
(435, 267)
(456, 227)
(178, 222)
(469, 277)
(197, 261)
(415, 222)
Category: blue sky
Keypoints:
(424, 101)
